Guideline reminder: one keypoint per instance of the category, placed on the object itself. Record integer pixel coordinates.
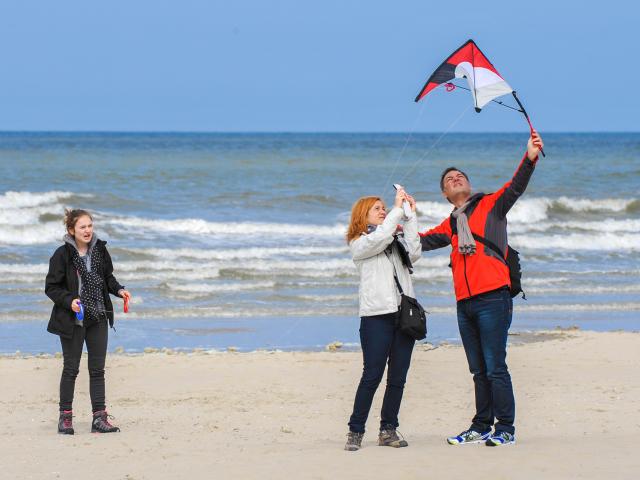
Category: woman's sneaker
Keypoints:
(354, 441)
(388, 437)
(469, 436)
(500, 438)
(101, 423)
(65, 422)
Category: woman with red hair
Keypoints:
(382, 250)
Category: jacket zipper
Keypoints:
(464, 258)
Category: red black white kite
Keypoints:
(469, 62)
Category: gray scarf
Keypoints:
(466, 242)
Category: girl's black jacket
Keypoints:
(61, 286)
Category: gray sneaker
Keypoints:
(354, 441)
(469, 436)
(388, 437)
(500, 438)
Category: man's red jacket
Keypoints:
(485, 270)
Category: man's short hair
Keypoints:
(447, 170)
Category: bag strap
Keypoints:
(395, 274)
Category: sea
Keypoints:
(236, 241)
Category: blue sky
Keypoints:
(285, 65)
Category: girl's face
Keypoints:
(83, 231)
(377, 214)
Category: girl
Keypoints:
(380, 254)
(80, 279)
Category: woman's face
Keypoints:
(83, 231)
(376, 214)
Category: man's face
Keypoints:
(455, 185)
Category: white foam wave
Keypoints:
(582, 307)
(236, 253)
(604, 225)
(14, 200)
(207, 288)
(579, 242)
(536, 209)
(20, 214)
(204, 227)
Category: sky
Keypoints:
(311, 66)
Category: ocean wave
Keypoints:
(535, 209)
(29, 218)
(235, 253)
(204, 227)
(18, 200)
(580, 307)
(579, 242)
(208, 288)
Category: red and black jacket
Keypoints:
(487, 215)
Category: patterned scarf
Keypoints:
(91, 296)
(466, 242)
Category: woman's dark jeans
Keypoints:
(484, 322)
(96, 337)
(381, 342)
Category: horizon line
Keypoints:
(312, 132)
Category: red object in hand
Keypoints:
(126, 304)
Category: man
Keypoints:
(481, 282)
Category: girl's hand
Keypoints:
(400, 197)
(124, 294)
(412, 202)
(75, 305)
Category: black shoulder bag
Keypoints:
(412, 319)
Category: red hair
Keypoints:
(359, 213)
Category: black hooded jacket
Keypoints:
(61, 286)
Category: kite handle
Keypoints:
(524, 112)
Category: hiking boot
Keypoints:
(500, 438)
(469, 436)
(101, 423)
(354, 441)
(388, 437)
(65, 423)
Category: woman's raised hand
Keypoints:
(412, 202)
(401, 196)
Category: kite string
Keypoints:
(404, 148)
(435, 144)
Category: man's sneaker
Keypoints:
(354, 441)
(500, 438)
(469, 436)
(65, 423)
(388, 437)
(101, 423)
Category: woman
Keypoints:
(80, 280)
(381, 253)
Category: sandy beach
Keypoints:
(283, 415)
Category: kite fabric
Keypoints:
(469, 62)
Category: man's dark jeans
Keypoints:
(381, 342)
(484, 322)
(96, 337)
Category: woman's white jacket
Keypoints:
(378, 292)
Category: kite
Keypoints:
(485, 83)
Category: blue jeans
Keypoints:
(484, 322)
(381, 343)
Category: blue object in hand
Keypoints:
(80, 314)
